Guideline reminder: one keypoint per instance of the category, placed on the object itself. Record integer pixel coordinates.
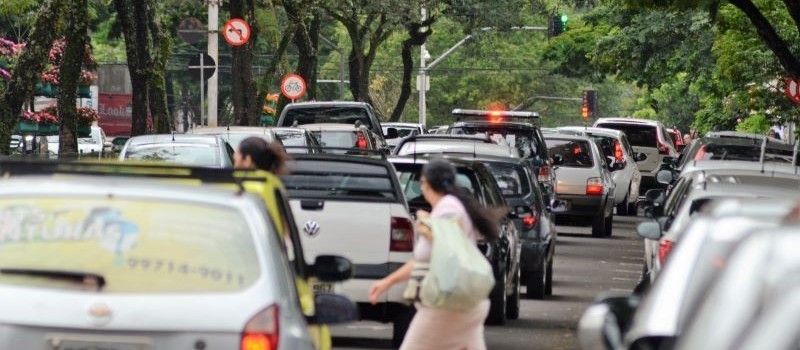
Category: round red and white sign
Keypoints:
(293, 86)
(236, 32)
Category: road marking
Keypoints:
(624, 279)
(632, 258)
(629, 264)
(629, 271)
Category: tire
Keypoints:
(536, 284)
(548, 279)
(609, 224)
(498, 298)
(599, 227)
(401, 322)
(512, 304)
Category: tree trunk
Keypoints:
(157, 90)
(244, 94)
(769, 36)
(132, 15)
(29, 69)
(70, 70)
(306, 39)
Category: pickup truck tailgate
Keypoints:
(358, 231)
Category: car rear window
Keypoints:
(402, 131)
(750, 153)
(185, 154)
(320, 115)
(575, 153)
(523, 140)
(511, 179)
(410, 176)
(137, 246)
(340, 139)
(638, 135)
(323, 179)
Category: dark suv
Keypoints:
(533, 217)
(504, 254)
(524, 135)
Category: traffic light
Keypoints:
(589, 104)
(556, 25)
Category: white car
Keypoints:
(354, 207)
(96, 144)
(403, 130)
(627, 177)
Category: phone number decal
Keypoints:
(167, 266)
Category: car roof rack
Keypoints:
(495, 115)
(358, 152)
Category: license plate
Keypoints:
(97, 343)
(323, 288)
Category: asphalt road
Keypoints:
(585, 267)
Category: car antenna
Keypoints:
(474, 153)
(794, 156)
(763, 153)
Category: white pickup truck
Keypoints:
(354, 206)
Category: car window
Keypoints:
(575, 153)
(523, 140)
(292, 139)
(402, 132)
(136, 245)
(340, 180)
(339, 139)
(185, 154)
(665, 136)
(606, 144)
(627, 145)
(677, 196)
(511, 178)
(409, 176)
(320, 115)
(638, 135)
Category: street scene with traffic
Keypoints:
(399, 174)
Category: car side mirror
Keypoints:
(332, 268)
(558, 206)
(640, 157)
(656, 196)
(558, 159)
(391, 133)
(649, 230)
(665, 177)
(601, 325)
(332, 309)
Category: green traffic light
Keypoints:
(564, 19)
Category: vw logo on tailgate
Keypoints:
(311, 228)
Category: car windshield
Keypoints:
(184, 154)
(519, 138)
(638, 135)
(324, 115)
(339, 180)
(136, 245)
(739, 152)
(511, 179)
(575, 153)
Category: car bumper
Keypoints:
(581, 205)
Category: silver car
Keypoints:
(194, 150)
(453, 144)
(627, 177)
(100, 263)
(584, 182)
(234, 135)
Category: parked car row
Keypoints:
(719, 253)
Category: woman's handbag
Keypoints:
(414, 284)
(459, 276)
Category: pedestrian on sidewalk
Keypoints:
(255, 153)
(434, 328)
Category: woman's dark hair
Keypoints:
(266, 156)
(441, 177)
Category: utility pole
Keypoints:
(422, 78)
(213, 51)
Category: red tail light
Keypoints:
(262, 332)
(362, 141)
(701, 153)
(544, 174)
(530, 221)
(664, 247)
(402, 235)
(618, 156)
(663, 148)
(594, 186)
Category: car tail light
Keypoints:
(262, 332)
(662, 148)
(402, 235)
(664, 247)
(594, 186)
(544, 174)
(701, 153)
(618, 156)
(530, 221)
(362, 141)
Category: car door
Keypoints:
(494, 199)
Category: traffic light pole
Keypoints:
(422, 77)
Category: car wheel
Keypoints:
(548, 279)
(401, 322)
(512, 304)
(599, 226)
(498, 298)
(609, 224)
(536, 284)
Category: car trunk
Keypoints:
(644, 139)
(574, 180)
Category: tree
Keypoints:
(244, 93)
(77, 25)
(133, 19)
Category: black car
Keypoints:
(503, 254)
(520, 130)
(533, 217)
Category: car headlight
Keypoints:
(28, 138)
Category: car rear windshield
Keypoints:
(520, 138)
(575, 153)
(185, 154)
(339, 139)
(324, 179)
(320, 115)
(410, 176)
(638, 135)
(511, 179)
(136, 245)
(750, 153)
